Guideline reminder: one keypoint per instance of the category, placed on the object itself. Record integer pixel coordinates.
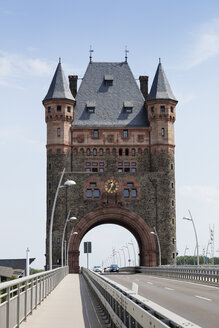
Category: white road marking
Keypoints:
(168, 288)
(204, 298)
(150, 283)
(187, 282)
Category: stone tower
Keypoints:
(117, 143)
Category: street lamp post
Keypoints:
(158, 242)
(196, 237)
(72, 233)
(122, 249)
(185, 255)
(133, 251)
(68, 219)
(129, 259)
(66, 184)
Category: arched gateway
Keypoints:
(117, 142)
(114, 215)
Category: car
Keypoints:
(107, 269)
(113, 268)
(97, 268)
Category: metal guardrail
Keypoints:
(124, 308)
(19, 297)
(203, 275)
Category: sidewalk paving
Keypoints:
(62, 308)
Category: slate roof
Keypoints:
(15, 263)
(109, 100)
(160, 88)
(59, 88)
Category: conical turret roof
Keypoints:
(59, 88)
(160, 87)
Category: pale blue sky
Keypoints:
(34, 34)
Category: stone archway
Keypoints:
(114, 215)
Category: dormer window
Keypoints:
(59, 108)
(128, 106)
(162, 109)
(108, 80)
(91, 106)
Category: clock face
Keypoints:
(111, 186)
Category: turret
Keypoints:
(59, 112)
(161, 105)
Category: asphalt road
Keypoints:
(195, 302)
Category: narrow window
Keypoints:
(49, 166)
(50, 185)
(172, 202)
(58, 132)
(94, 152)
(49, 109)
(162, 109)
(126, 193)
(96, 134)
(171, 166)
(171, 108)
(127, 152)
(96, 193)
(88, 151)
(69, 109)
(152, 109)
(49, 202)
(172, 185)
(163, 132)
(59, 108)
(101, 152)
(125, 133)
(133, 151)
(58, 240)
(120, 151)
(134, 193)
(173, 240)
(89, 193)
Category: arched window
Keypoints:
(133, 151)
(120, 151)
(127, 152)
(101, 152)
(94, 152)
(88, 152)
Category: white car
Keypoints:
(97, 268)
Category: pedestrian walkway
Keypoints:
(62, 308)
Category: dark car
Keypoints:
(113, 268)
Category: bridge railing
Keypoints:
(197, 274)
(19, 297)
(124, 308)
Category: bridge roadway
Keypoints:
(69, 305)
(195, 302)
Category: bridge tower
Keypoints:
(59, 111)
(117, 143)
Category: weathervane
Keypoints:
(126, 54)
(91, 50)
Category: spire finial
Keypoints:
(159, 60)
(59, 60)
(91, 50)
(126, 54)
